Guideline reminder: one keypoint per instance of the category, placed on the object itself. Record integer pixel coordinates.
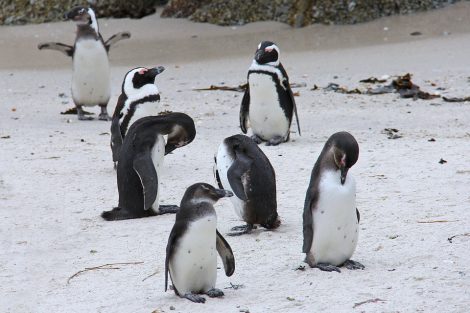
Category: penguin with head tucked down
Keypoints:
(268, 103)
(91, 74)
(141, 161)
(330, 218)
(191, 256)
(139, 98)
(241, 167)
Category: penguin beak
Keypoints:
(259, 56)
(344, 172)
(153, 72)
(221, 193)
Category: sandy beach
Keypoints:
(57, 176)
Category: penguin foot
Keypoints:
(241, 230)
(215, 293)
(194, 298)
(275, 141)
(353, 265)
(104, 117)
(81, 114)
(168, 209)
(257, 139)
(327, 267)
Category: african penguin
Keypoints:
(191, 257)
(241, 167)
(268, 103)
(140, 164)
(91, 74)
(330, 218)
(139, 98)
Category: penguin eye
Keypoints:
(81, 11)
(142, 71)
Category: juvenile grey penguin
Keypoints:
(330, 218)
(91, 75)
(139, 98)
(244, 169)
(268, 103)
(141, 161)
(191, 257)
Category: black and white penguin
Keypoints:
(191, 257)
(330, 218)
(268, 103)
(139, 98)
(91, 74)
(241, 167)
(141, 161)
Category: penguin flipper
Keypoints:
(226, 254)
(239, 167)
(244, 108)
(115, 38)
(143, 165)
(116, 138)
(65, 49)
(216, 174)
(286, 85)
(308, 222)
(176, 233)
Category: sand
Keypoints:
(56, 173)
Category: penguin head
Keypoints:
(82, 15)
(140, 81)
(202, 192)
(345, 151)
(267, 53)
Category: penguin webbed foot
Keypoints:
(327, 267)
(241, 230)
(104, 114)
(215, 293)
(275, 141)
(168, 209)
(81, 114)
(257, 139)
(194, 298)
(353, 265)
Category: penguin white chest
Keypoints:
(267, 119)
(335, 225)
(224, 161)
(91, 75)
(193, 266)
(157, 153)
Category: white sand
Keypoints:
(57, 177)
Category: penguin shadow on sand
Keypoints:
(330, 217)
(242, 167)
(191, 256)
(139, 98)
(91, 84)
(268, 104)
(140, 164)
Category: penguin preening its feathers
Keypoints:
(91, 73)
(268, 104)
(140, 162)
(330, 217)
(139, 98)
(190, 254)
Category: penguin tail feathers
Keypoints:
(116, 214)
(273, 224)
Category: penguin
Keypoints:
(91, 74)
(268, 103)
(241, 167)
(191, 258)
(139, 98)
(141, 161)
(330, 218)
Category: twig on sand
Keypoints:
(375, 300)
(153, 274)
(436, 221)
(459, 235)
(239, 88)
(109, 266)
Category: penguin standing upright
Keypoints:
(244, 169)
(139, 98)
(268, 103)
(330, 218)
(91, 74)
(191, 257)
(141, 161)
